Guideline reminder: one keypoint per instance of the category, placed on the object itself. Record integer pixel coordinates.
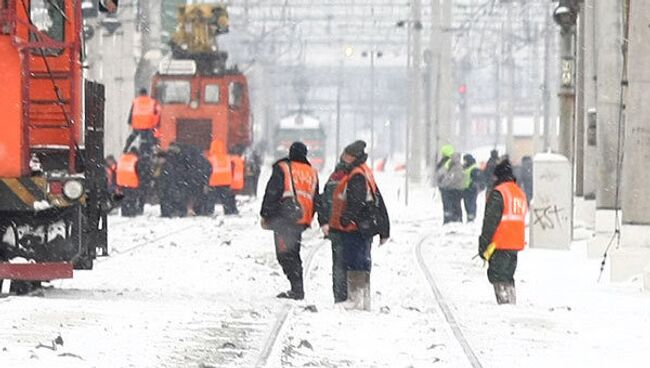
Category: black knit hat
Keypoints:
(356, 148)
(298, 150)
(503, 171)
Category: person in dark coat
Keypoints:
(287, 234)
(452, 180)
(499, 244)
(525, 177)
(473, 185)
(488, 174)
(350, 213)
(339, 271)
(172, 190)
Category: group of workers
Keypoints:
(187, 180)
(504, 221)
(351, 212)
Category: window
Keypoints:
(211, 95)
(49, 17)
(235, 94)
(173, 91)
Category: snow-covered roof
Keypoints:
(299, 121)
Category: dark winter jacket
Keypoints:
(492, 216)
(275, 187)
(356, 195)
(475, 175)
(325, 199)
(489, 171)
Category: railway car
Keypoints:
(301, 126)
(53, 195)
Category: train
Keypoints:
(305, 127)
(53, 197)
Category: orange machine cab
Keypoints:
(198, 109)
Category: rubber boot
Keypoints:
(501, 292)
(512, 294)
(358, 290)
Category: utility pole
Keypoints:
(149, 24)
(417, 135)
(565, 15)
(636, 166)
(337, 150)
(372, 108)
(446, 126)
(434, 82)
(580, 105)
(610, 66)
(590, 62)
(510, 64)
(546, 93)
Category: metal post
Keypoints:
(636, 197)
(589, 182)
(580, 107)
(417, 135)
(547, 82)
(372, 108)
(407, 126)
(567, 93)
(610, 65)
(510, 85)
(337, 151)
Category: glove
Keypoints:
(383, 241)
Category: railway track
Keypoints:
(285, 312)
(442, 302)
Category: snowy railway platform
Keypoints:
(199, 292)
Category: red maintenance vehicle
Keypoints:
(201, 98)
(52, 183)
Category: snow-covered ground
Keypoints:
(199, 292)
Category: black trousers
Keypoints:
(287, 251)
(469, 200)
(502, 266)
(147, 141)
(339, 268)
(451, 204)
(226, 197)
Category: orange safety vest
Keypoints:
(305, 180)
(339, 199)
(221, 170)
(238, 168)
(510, 234)
(127, 175)
(145, 114)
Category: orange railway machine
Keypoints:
(202, 99)
(52, 183)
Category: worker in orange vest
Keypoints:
(358, 215)
(128, 181)
(144, 119)
(110, 166)
(288, 209)
(221, 178)
(238, 172)
(503, 234)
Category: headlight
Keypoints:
(73, 189)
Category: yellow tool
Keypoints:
(489, 251)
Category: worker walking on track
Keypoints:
(144, 119)
(358, 214)
(503, 234)
(339, 271)
(288, 209)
